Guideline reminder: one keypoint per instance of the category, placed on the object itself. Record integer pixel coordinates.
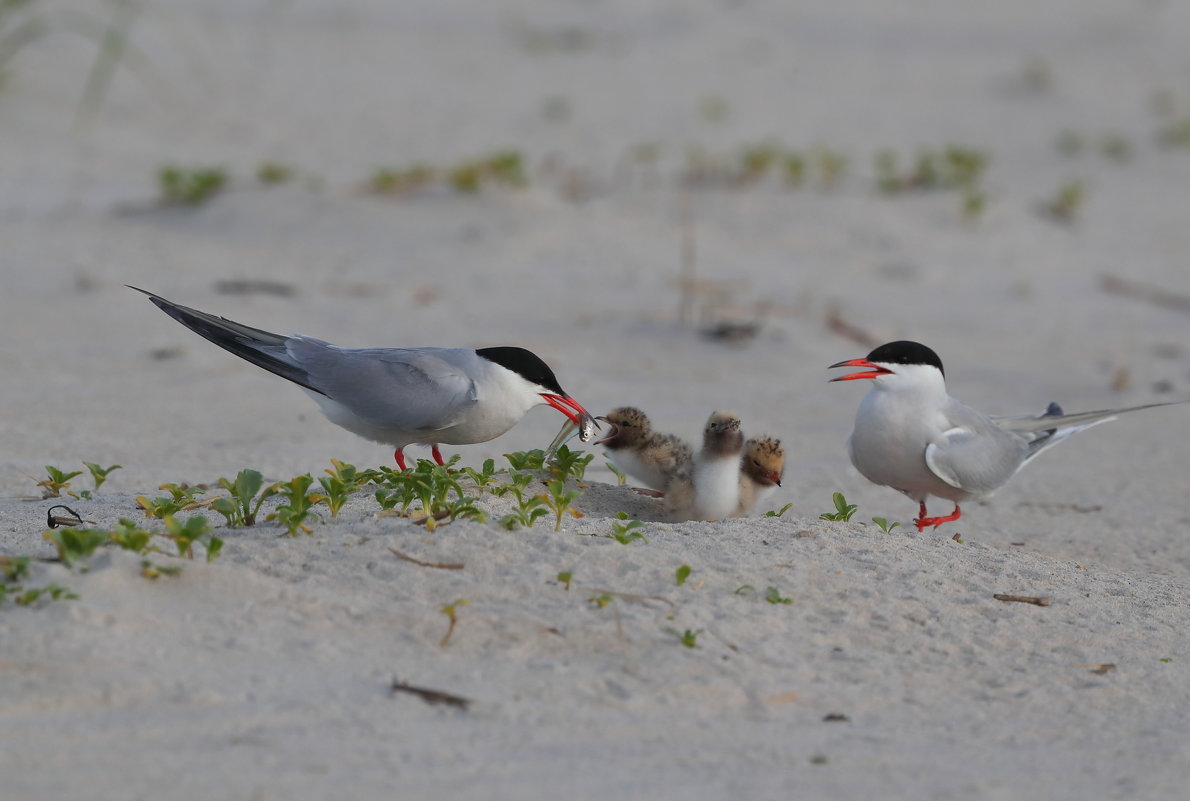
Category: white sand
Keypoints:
(266, 674)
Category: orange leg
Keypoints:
(437, 456)
(922, 521)
(400, 457)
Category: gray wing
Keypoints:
(262, 348)
(1046, 430)
(975, 454)
(415, 389)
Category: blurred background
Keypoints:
(680, 205)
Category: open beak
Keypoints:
(615, 430)
(873, 371)
(775, 478)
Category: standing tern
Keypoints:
(912, 436)
(399, 396)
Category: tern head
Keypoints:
(529, 366)
(630, 427)
(764, 460)
(895, 364)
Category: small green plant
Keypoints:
(566, 577)
(484, 476)
(601, 600)
(744, 590)
(400, 181)
(773, 596)
(688, 638)
(1066, 203)
(75, 544)
(272, 173)
(843, 510)
(621, 476)
(504, 167)
(778, 512)
(567, 463)
(298, 504)
(451, 611)
(624, 530)
(884, 525)
(58, 480)
(181, 498)
(533, 460)
(240, 509)
(99, 474)
(194, 529)
(340, 481)
(28, 597)
(190, 186)
(131, 537)
(528, 507)
(558, 499)
(681, 574)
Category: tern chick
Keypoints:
(912, 436)
(708, 488)
(398, 396)
(761, 467)
(635, 448)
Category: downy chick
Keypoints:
(760, 472)
(709, 488)
(635, 448)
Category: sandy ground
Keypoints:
(267, 673)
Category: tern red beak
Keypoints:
(567, 406)
(874, 370)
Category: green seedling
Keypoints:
(152, 571)
(831, 166)
(773, 596)
(624, 531)
(505, 167)
(401, 181)
(744, 590)
(778, 512)
(58, 480)
(973, 203)
(681, 574)
(566, 463)
(621, 476)
(14, 568)
(340, 481)
(843, 510)
(31, 596)
(601, 601)
(533, 460)
(566, 577)
(99, 474)
(273, 173)
(181, 499)
(75, 544)
(529, 507)
(884, 525)
(194, 529)
(688, 638)
(484, 476)
(1064, 206)
(131, 537)
(794, 168)
(190, 186)
(451, 611)
(757, 161)
(558, 499)
(298, 504)
(240, 509)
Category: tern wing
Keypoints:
(1046, 430)
(262, 348)
(974, 454)
(413, 389)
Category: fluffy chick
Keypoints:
(709, 487)
(635, 448)
(761, 467)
